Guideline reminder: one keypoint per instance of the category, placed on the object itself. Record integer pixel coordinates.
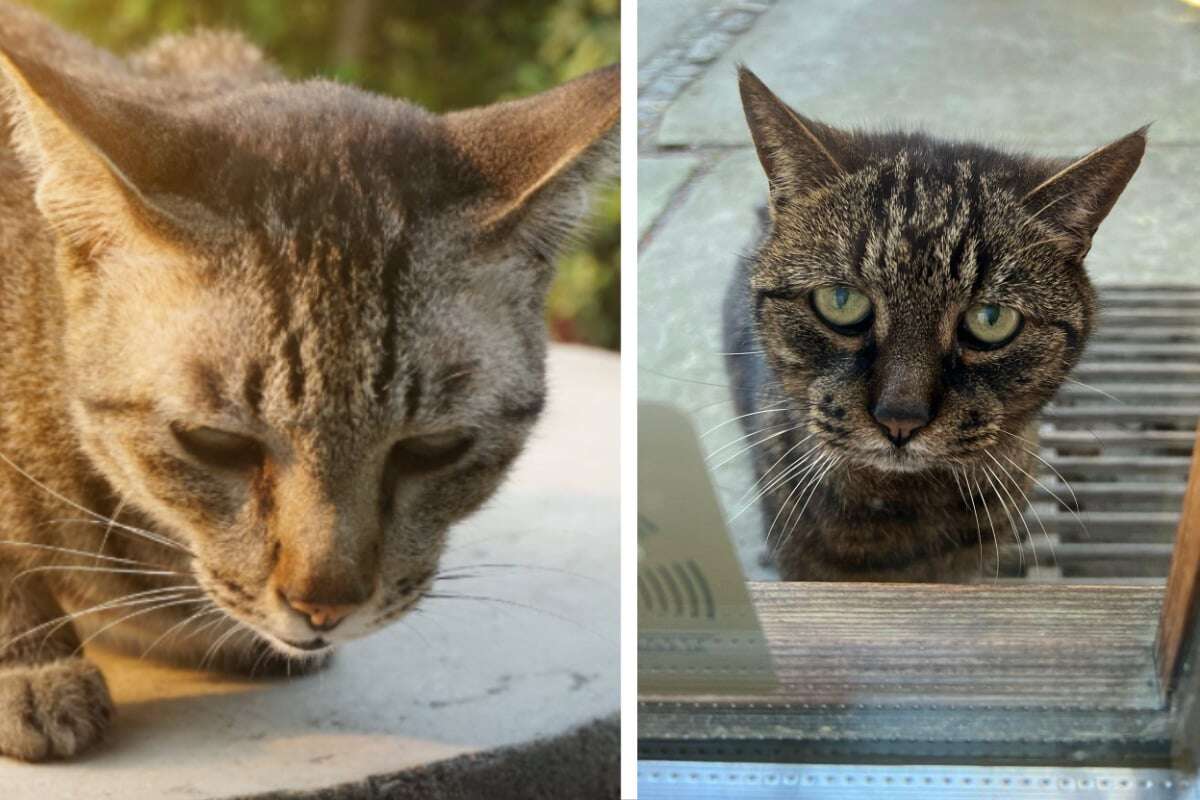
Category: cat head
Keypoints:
(918, 299)
(303, 324)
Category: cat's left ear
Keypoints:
(98, 160)
(539, 157)
(1079, 195)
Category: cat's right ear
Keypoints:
(89, 153)
(799, 155)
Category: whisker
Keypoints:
(65, 619)
(816, 483)
(202, 612)
(89, 512)
(1097, 390)
(513, 603)
(801, 482)
(139, 613)
(71, 551)
(787, 426)
(82, 568)
(1016, 510)
(1048, 491)
(1011, 522)
(987, 511)
(776, 407)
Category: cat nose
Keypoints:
(901, 422)
(322, 616)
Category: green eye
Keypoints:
(844, 309)
(989, 326)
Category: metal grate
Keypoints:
(1121, 434)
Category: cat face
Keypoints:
(919, 301)
(309, 343)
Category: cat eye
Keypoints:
(988, 326)
(844, 309)
(419, 454)
(219, 448)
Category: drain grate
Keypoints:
(1121, 436)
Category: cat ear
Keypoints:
(539, 156)
(1079, 195)
(87, 151)
(799, 155)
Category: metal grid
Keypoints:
(1120, 434)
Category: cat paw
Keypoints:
(53, 710)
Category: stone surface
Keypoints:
(660, 22)
(658, 180)
(1076, 73)
(460, 677)
(682, 275)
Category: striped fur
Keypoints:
(925, 228)
(188, 240)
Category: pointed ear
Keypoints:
(1079, 194)
(539, 156)
(799, 155)
(88, 153)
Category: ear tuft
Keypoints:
(539, 157)
(1079, 194)
(799, 155)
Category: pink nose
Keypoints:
(322, 617)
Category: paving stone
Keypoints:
(660, 21)
(658, 180)
(682, 275)
(1074, 73)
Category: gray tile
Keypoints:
(660, 21)
(1151, 234)
(1074, 72)
(658, 180)
(682, 275)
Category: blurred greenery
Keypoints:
(442, 55)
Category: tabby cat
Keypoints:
(912, 305)
(261, 344)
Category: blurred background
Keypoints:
(445, 55)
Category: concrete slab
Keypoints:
(1075, 73)
(658, 180)
(682, 275)
(459, 677)
(659, 21)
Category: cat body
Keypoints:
(912, 305)
(261, 344)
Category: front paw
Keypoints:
(52, 710)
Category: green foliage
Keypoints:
(443, 55)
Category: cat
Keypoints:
(262, 343)
(911, 306)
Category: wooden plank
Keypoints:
(1165, 371)
(1101, 466)
(1132, 393)
(1106, 526)
(1121, 351)
(1181, 416)
(1149, 333)
(1178, 298)
(1099, 495)
(1183, 587)
(1114, 317)
(860, 663)
(1108, 290)
(1075, 441)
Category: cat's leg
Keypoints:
(53, 703)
